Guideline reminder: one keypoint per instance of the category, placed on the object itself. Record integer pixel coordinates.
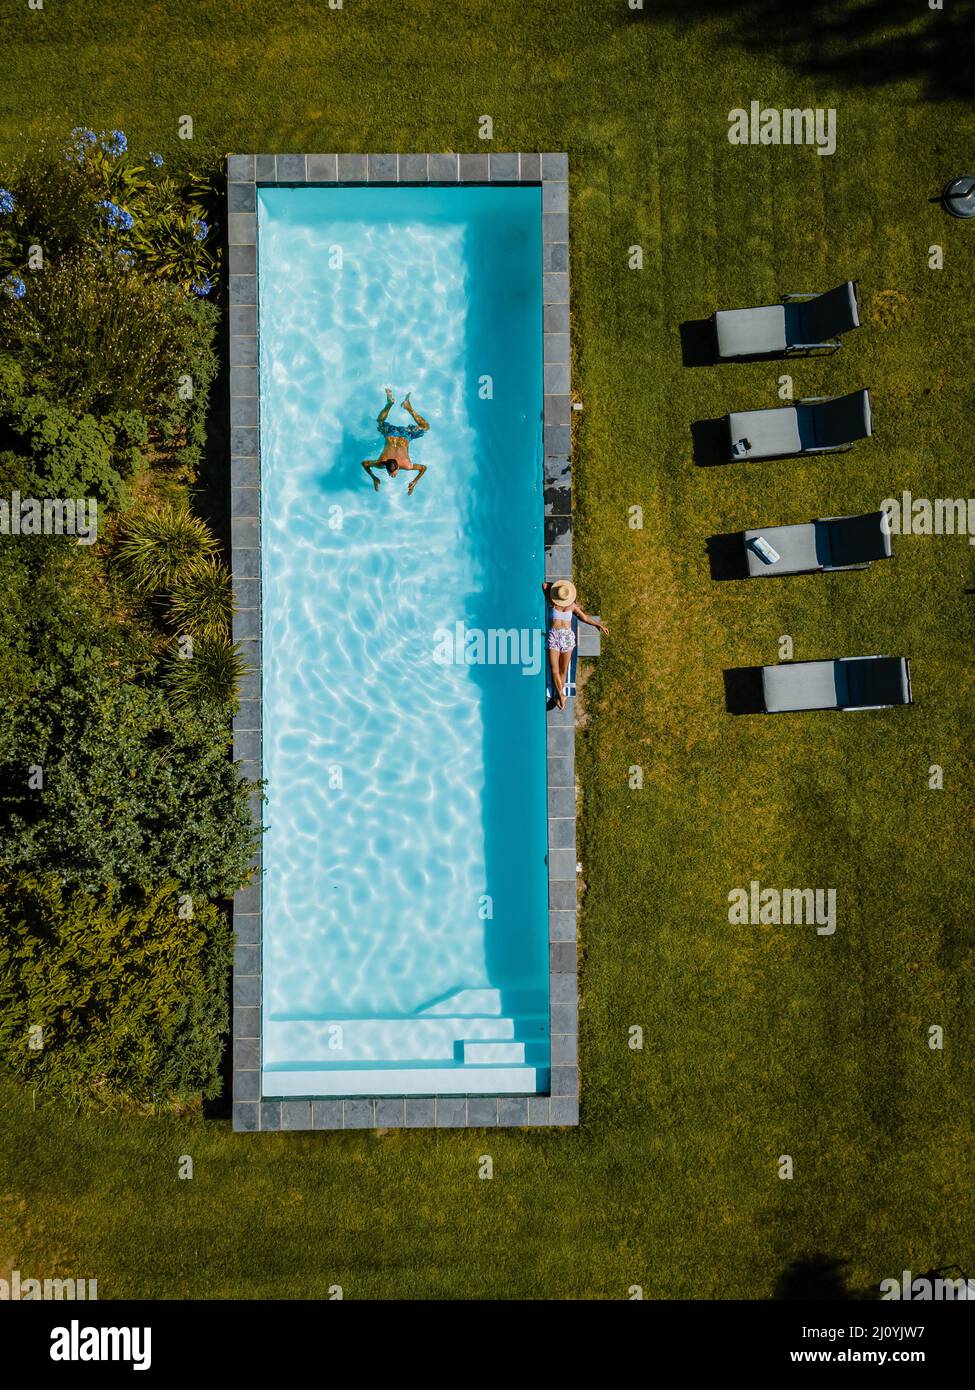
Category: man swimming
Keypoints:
(396, 451)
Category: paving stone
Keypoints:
(565, 1110)
(555, 226)
(555, 256)
(565, 985)
(555, 319)
(565, 1081)
(555, 166)
(247, 594)
(565, 1049)
(420, 1112)
(561, 922)
(504, 168)
(556, 379)
(557, 411)
(561, 742)
(513, 1110)
(555, 197)
(531, 168)
(240, 166)
(558, 440)
(474, 168)
(241, 197)
(247, 1054)
(390, 1114)
(247, 1022)
(558, 501)
(482, 1111)
(563, 959)
(562, 864)
(326, 1114)
(451, 1112)
(243, 351)
(243, 319)
(247, 1085)
(565, 1018)
(443, 168)
(352, 168)
(241, 229)
(561, 772)
(243, 289)
(539, 1110)
(247, 991)
(562, 833)
(271, 1115)
(245, 472)
(290, 168)
(246, 1117)
(296, 1114)
(321, 168)
(243, 381)
(558, 561)
(360, 1114)
(243, 441)
(247, 959)
(413, 168)
(382, 168)
(247, 928)
(562, 897)
(555, 287)
(265, 171)
(561, 801)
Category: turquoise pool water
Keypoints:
(405, 937)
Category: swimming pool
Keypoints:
(405, 886)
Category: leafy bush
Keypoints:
(63, 453)
(107, 340)
(92, 193)
(164, 548)
(134, 792)
(128, 997)
(207, 678)
(202, 604)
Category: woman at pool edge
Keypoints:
(561, 594)
(396, 451)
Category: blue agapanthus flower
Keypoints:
(14, 287)
(125, 257)
(156, 159)
(114, 142)
(201, 231)
(119, 219)
(6, 202)
(202, 287)
(82, 138)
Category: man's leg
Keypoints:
(407, 406)
(390, 401)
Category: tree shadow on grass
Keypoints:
(743, 690)
(698, 346)
(854, 43)
(817, 1277)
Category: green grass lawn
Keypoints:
(758, 1041)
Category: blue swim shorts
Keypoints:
(400, 431)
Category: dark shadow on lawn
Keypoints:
(698, 346)
(850, 42)
(818, 1277)
(710, 442)
(726, 556)
(743, 690)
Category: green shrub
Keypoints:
(134, 791)
(63, 453)
(164, 548)
(105, 340)
(202, 604)
(209, 676)
(123, 997)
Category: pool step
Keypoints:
(407, 1081)
(512, 1003)
(328, 1043)
(493, 1052)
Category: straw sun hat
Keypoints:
(563, 593)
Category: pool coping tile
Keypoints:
(245, 174)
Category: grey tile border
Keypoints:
(245, 172)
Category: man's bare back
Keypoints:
(396, 450)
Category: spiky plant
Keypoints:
(205, 671)
(161, 549)
(203, 603)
